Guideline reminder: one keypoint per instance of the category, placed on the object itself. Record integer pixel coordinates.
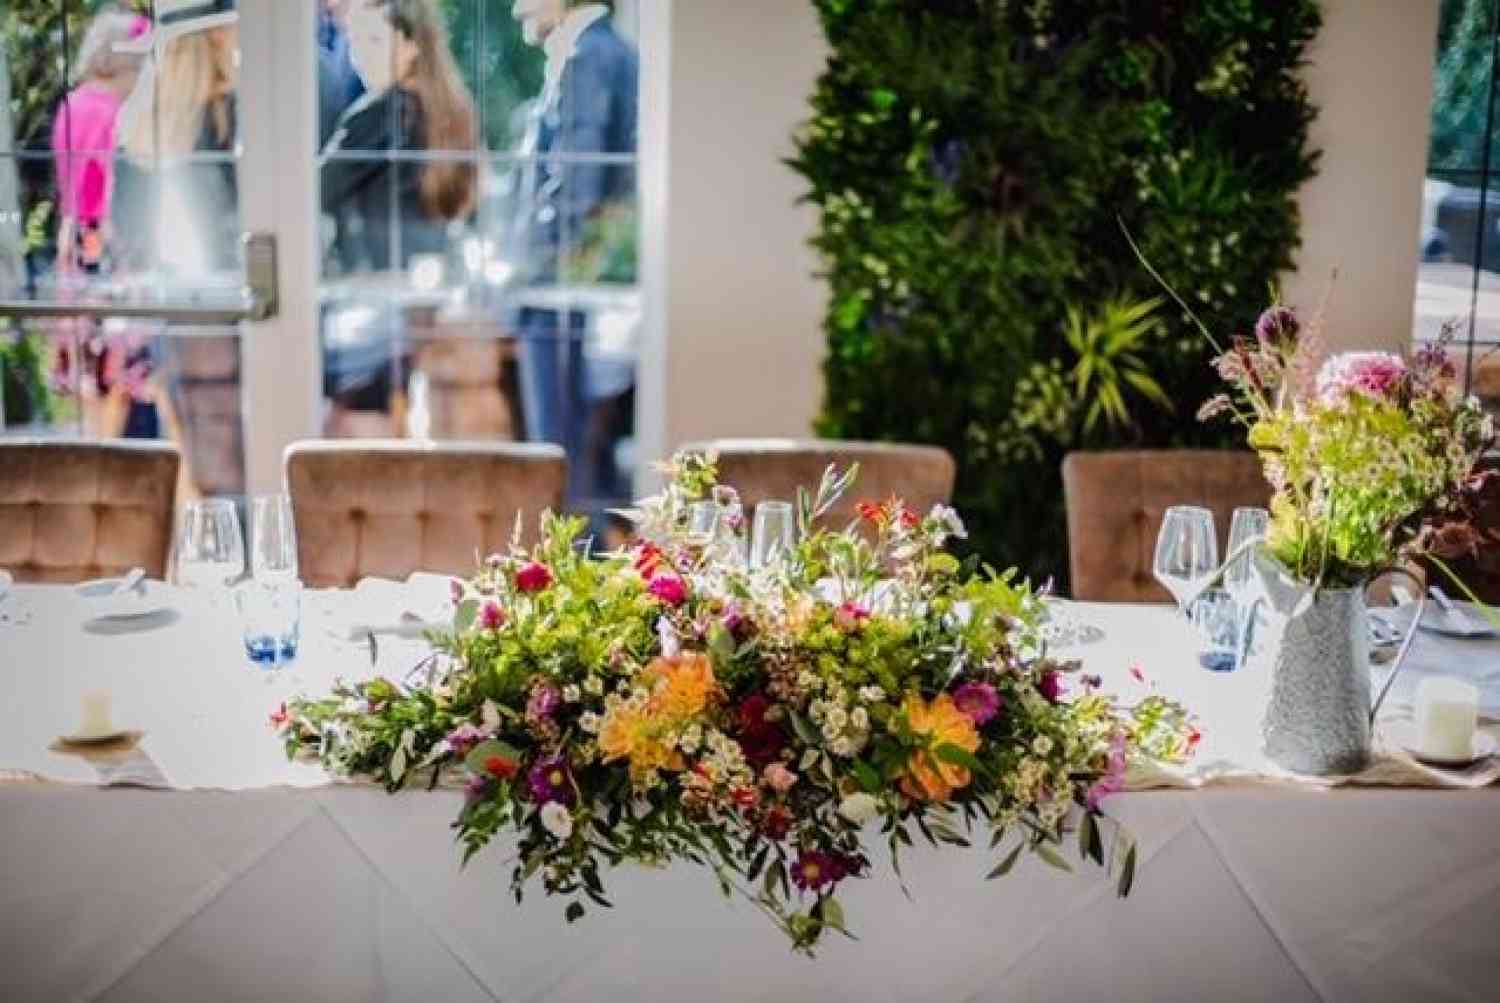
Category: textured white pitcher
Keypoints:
(1320, 713)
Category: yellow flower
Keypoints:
(638, 736)
(940, 722)
(682, 685)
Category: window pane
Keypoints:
(1462, 81)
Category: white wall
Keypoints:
(734, 308)
(1370, 76)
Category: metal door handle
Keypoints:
(255, 300)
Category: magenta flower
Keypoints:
(533, 577)
(815, 870)
(549, 780)
(491, 616)
(670, 589)
(476, 787)
(543, 702)
(850, 616)
(736, 622)
(1050, 685)
(980, 701)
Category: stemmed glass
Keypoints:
(273, 552)
(210, 547)
(1248, 525)
(774, 533)
(1187, 552)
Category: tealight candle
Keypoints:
(1447, 712)
(95, 717)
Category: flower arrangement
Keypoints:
(669, 703)
(1362, 452)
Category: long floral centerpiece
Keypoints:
(670, 703)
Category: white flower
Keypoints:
(570, 693)
(859, 808)
(557, 820)
(589, 722)
(871, 694)
(860, 719)
(947, 517)
(1041, 745)
(593, 686)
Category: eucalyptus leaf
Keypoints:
(1003, 868)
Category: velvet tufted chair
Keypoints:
(1115, 502)
(71, 511)
(760, 469)
(391, 507)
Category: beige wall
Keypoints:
(734, 308)
(1370, 75)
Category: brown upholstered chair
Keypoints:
(921, 476)
(391, 507)
(1115, 503)
(70, 511)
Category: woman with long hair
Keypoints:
(414, 101)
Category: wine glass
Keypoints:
(773, 535)
(1187, 552)
(1248, 524)
(210, 548)
(273, 551)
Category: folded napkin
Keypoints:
(407, 609)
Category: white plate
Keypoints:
(146, 599)
(1483, 746)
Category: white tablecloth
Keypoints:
(298, 889)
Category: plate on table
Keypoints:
(1466, 621)
(97, 737)
(147, 599)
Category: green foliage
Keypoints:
(1462, 80)
(972, 161)
(1110, 363)
(23, 379)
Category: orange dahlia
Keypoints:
(940, 722)
(682, 684)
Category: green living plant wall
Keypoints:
(975, 164)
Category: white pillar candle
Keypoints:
(1447, 713)
(95, 717)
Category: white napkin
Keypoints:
(380, 606)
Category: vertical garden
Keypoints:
(975, 164)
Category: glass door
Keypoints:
(442, 198)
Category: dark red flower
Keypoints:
(533, 577)
(745, 797)
(815, 870)
(1051, 686)
(761, 740)
(648, 558)
(776, 822)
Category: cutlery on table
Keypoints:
(129, 582)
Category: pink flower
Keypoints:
(670, 589)
(850, 616)
(542, 703)
(979, 701)
(491, 616)
(456, 591)
(779, 778)
(1376, 375)
(533, 577)
(1113, 780)
(1137, 674)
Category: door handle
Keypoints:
(256, 299)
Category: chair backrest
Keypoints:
(71, 511)
(1115, 502)
(390, 507)
(759, 469)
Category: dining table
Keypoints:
(192, 860)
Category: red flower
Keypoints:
(491, 616)
(648, 559)
(280, 717)
(669, 589)
(533, 577)
(1194, 737)
(745, 797)
(872, 513)
(850, 616)
(776, 823)
(909, 519)
(501, 767)
(760, 740)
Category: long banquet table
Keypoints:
(251, 878)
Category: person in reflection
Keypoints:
(588, 106)
(176, 219)
(83, 138)
(414, 102)
(339, 85)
